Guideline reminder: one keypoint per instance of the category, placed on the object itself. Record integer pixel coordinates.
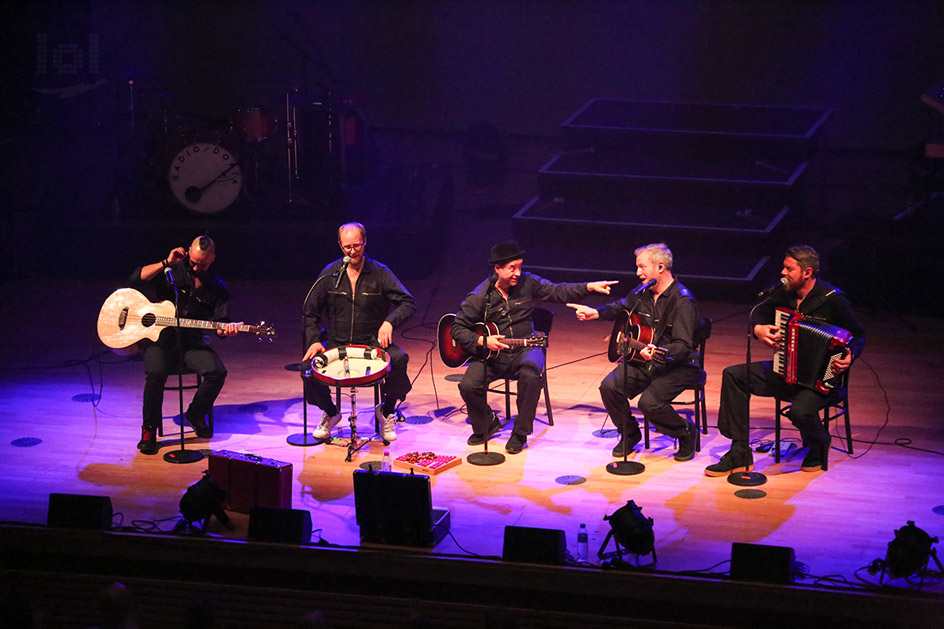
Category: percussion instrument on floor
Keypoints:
(204, 175)
(350, 366)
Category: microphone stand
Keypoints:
(182, 455)
(304, 438)
(748, 479)
(626, 467)
(486, 458)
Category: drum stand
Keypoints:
(353, 446)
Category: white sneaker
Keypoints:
(323, 431)
(388, 423)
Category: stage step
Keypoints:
(720, 184)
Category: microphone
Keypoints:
(767, 291)
(170, 276)
(344, 262)
(644, 286)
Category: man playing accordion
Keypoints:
(814, 300)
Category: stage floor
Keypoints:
(71, 419)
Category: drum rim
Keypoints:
(365, 380)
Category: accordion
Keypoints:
(807, 348)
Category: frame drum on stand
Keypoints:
(351, 366)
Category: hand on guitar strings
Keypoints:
(585, 313)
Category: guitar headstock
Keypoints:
(538, 339)
(263, 331)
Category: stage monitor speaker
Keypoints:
(396, 508)
(285, 526)
(766, 564)
(76, 511)
(530, 545)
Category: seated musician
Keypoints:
(361, 302)
(203, 295)
(670, 311)
(804, 293)
(506, 299)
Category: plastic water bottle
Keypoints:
(582, 544)
(387, 463)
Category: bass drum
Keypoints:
(204, 176)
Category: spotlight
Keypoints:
(908, 554)
(632, 533)
(201, 501)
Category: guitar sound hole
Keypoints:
(148, 320)
(122, 318)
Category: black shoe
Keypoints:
(148, 443)
(813, 461)
(627, 443)
(199, 425)
(516, 443)
(493, 428)
(729, 464)
(686, 443)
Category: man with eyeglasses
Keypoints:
(202, 295)
(361, 302)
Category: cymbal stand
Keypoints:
(291, 143)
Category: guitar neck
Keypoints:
(171, 322)
(518, 342)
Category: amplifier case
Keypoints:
(251, 481)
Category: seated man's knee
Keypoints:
(649, 404)
(528, 373)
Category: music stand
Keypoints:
(182, 455)
(748, 479)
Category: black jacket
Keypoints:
(674, 318)
(512, 317)
(209, 302)
(355, 318)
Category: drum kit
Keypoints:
(212, 161)
(206, 173)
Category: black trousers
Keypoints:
(629, 380)
(160, 360)
(395, 387)
(759, 378)
(525, 366)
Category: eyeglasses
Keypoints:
(352, 248)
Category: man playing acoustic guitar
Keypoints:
(506, 299)
(661, 368)
(204, 296)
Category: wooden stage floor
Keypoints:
(82, 404)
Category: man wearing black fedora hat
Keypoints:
(506, 299)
